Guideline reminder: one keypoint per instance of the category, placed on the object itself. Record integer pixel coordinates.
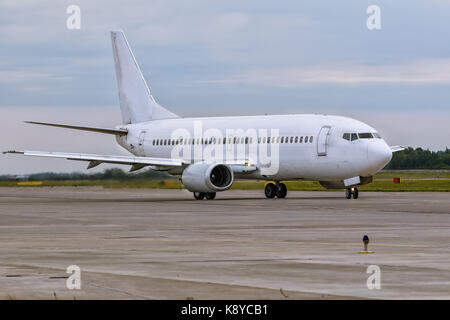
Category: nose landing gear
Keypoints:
(273, 190)
(351, 192)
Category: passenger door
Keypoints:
(322, 141)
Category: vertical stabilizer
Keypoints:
(136, 102)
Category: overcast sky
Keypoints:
(204, 58)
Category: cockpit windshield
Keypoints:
(376, 135)
(364, 135)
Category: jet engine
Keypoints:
(204, 177)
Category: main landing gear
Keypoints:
(273, 190)
(351, 192)
(203, 195)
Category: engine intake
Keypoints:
(204, 177)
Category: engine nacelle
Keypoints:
(204, 177)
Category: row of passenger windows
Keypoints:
(235, 140)
(356, 136)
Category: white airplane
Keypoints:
(209, 154)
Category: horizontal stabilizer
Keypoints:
(396, 148)
(120, 132)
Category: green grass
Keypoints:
(418, 174)
(388, 185)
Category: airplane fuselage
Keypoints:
(311, 147)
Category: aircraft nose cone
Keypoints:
(379, 154)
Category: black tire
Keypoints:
(348, 193)
(281, 191)
(270, 190)
(210, 195)
(355, 193)
(199, 195)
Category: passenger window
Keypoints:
(346, 136)
(301, 139)
(282, 139)
(306, 139)
(354, 136)
(311, 139)
(296, 139)
(292, 140)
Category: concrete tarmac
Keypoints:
(162, 244)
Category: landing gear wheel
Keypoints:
(270, 190)
(281, 190)
(199, 195)
(351, 192)
(348, 193)
(210, 195)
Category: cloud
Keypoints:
(422, 72)
(10, 77)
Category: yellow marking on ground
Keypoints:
(29, 183)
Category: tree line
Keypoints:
(419, 158)
(108, 174)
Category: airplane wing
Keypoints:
(238, 166)
(396, 148)
(95, 159)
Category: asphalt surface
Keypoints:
(162, 244)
